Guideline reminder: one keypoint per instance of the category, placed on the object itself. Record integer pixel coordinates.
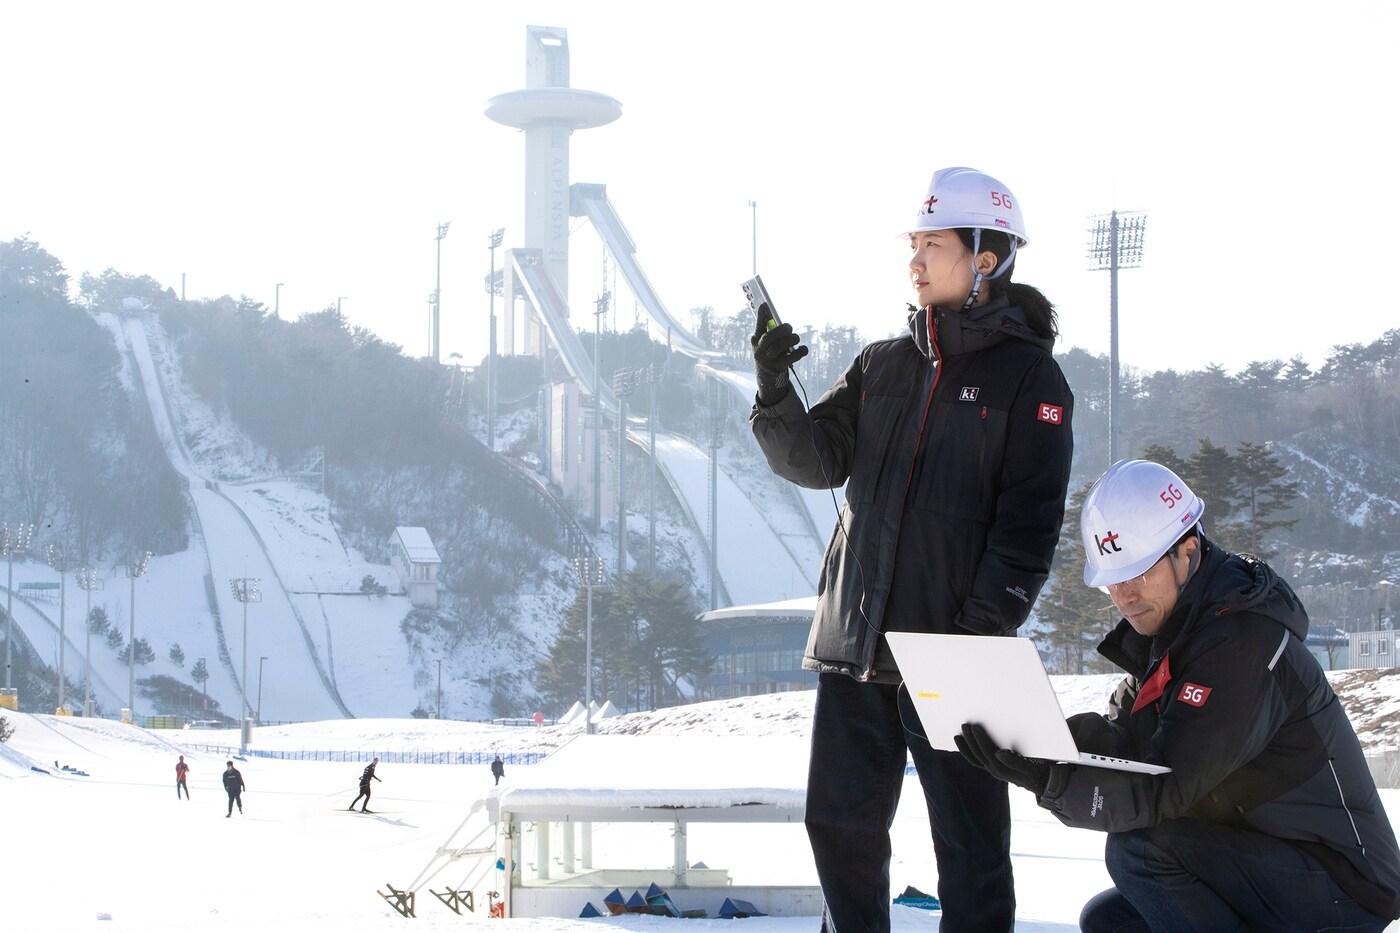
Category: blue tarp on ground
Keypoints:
(733, 908)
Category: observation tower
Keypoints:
(549, 111)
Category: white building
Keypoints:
(416, 561)
(1373, 649)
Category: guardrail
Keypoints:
(354, 755)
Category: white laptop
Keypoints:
(999, 683)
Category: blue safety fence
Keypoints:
(402, 758)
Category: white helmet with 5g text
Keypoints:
(1133, 515)
(964, 197)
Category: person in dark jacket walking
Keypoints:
(954, 443)
(181, 770)
(367, 776)
(498, 768)
(233, 784)
(1269, 818)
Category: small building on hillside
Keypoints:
(415, 559)
(757, 649)
(1373, 649)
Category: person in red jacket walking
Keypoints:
(181, 769)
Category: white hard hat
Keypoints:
(964, 197)
(1133, 515)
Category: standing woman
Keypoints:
(954, 443)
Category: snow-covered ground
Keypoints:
(118, 844)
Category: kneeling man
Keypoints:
(1269, 818)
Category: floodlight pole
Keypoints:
(12, 538)
(753, 206)
(59, 563)
(1115, 243)
(1114, 411)
(437, 295)
(257, 717)
(245, 590)
(600, 309)
(496, 237)
(87, 581)
(134, 572)
(651, 473)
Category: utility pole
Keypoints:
(439, 690)
(1115, 242)
(338, 300)
(437, 295)
(87, 582)
(135, 570)
(14, 539)
(277, 300)
(204, 681)
(495, 240)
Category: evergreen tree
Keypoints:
(177, 655)
(668, 648)
(1264, 493)
(142, 650)
(1167, 457)
(1073, 617)
(200, 672)
(98, 622)
(1211, 473)
(115, 640)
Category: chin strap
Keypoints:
(977, 277)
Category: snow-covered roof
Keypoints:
(613, 778)
(802, 606)
(418, 545)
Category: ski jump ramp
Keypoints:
(759, 557)
(303, 688)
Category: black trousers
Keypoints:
(1183, 876)
(860, 735)
(182, 786)
(364, 792)
(235, 797)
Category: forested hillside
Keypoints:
(78, 456)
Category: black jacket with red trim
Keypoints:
(1229, 698)
(955, 450)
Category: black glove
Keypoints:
(773, 352)
(977, 747)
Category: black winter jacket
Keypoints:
(955, 449)
(233, 780)
(1229, 697)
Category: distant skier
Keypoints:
(498, 768)
(233, 783)
(181, 769)
(365, 778)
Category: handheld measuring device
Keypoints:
(757, 297)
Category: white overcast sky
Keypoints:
(318, 144)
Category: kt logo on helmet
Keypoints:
(1108, 543)
(928, 205)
